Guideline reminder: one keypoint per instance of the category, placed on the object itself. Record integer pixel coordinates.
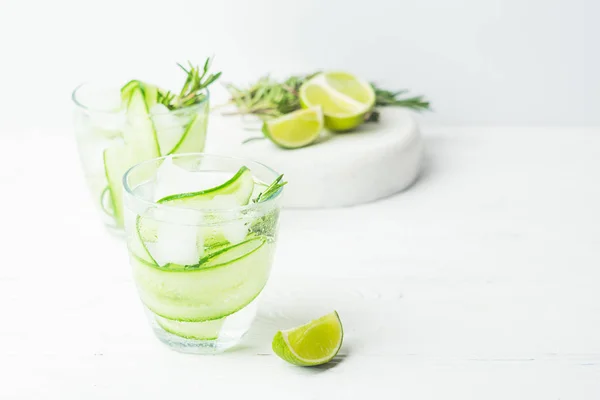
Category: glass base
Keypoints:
(224, 334)
(193, 346)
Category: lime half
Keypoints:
(315, 343)
(344, 97)
(297, 129)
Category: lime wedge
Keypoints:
(344, 97)
(297, 129)
(315, 343)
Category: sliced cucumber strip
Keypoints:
(145, 232)
(219, 286)
(240, 186)
(194, 136)
(140, 143)
(141, 133)
(231, 253)
(116, 162)
(127, 89)
(207, 330)
(106, 202)
(209, 240)
(150, 95)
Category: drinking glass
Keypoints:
(200, 265)
(110, 140)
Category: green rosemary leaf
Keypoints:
(385, 98)
(192, 91)
(272, 189)
(268, 98)
(183, 68)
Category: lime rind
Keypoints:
(355, 106)
(296, 129)
(289, 344)
(342, 111)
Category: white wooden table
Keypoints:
(480, 282)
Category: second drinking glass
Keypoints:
(118, 127)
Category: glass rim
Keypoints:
(156, 204)
(82, 106)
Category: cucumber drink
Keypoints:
(119, 126)
(201, 233)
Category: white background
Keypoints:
(509, 62)
(480, 282)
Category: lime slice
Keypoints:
(344, 97)
(240, 186)
(297, 129)
(315, 343)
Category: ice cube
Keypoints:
(170, 128)
(235, 231)
(101, 99)
(164, 119)
(223, 202)
(176, 243)
(108, 123)
(173, 179)
(104, 108)
(233, 227)
(159, 108)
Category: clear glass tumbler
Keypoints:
(111, 140)
(201, 241)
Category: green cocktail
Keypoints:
(119, 126)
(201, 233)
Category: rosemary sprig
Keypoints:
(192, 91)
(388, 98)
(384, 98)
(269, 98)
(270, 190)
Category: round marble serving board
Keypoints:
(344, 169)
